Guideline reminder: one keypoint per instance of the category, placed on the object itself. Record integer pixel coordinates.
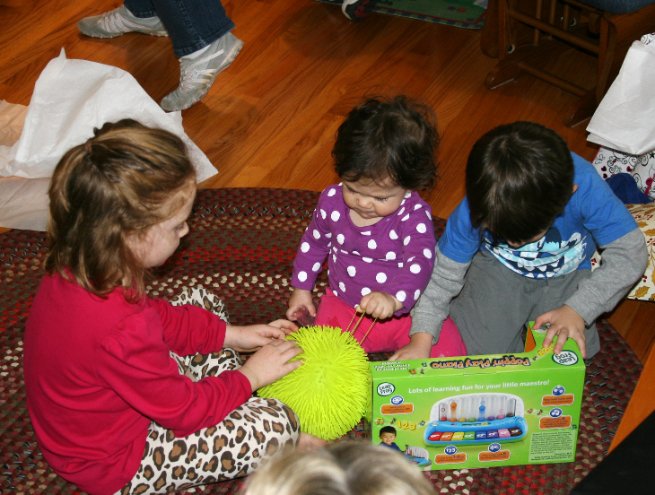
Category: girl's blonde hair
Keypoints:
(342, 468)
(125, 179)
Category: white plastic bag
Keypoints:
(23, 202)
(625, 118)
(71, 98)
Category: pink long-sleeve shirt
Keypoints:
(98, 371)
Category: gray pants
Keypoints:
(495, 304)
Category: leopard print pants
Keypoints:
(231, 449)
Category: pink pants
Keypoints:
(384, 336)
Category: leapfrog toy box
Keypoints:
(481, 411)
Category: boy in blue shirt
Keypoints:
(518, 247)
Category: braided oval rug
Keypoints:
(241, 246)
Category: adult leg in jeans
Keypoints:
(200, 32)
(202, 41)
(191, 24)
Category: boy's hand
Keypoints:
(379, 305)
(270, 363)
(419, 347)
(301, 306)
(563, 323)
(252, 337)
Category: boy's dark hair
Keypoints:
(519, 178)
(387, 429)
(393, 138)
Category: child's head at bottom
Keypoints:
(519, 178)
(341, 468)
(112, 199)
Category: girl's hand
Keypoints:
(563, 323)
(419, 347)
(301, 306)
(285, 325)
(379, 305)
(271, 363)
(252, 337)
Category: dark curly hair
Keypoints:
(394, 138)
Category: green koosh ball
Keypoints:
(331, 391)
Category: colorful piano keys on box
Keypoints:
(476, 418)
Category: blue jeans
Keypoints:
(191, 24)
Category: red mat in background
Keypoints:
(241, 246)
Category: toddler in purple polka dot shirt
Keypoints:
(376, 232)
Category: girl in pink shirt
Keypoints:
(126, 392)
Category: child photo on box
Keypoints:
(388, 437)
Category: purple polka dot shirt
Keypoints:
(395, 255)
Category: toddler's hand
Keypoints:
(270, 363)
(419, 347)
(379, 305)
(563, 323)
(301, 307)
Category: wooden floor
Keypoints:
(270, 118)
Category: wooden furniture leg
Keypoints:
(556, 25)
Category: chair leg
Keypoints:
(583, 111)
(489, 33)
(606, 56)
(549, 26)
(506, 70)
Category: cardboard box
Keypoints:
(481, 411)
